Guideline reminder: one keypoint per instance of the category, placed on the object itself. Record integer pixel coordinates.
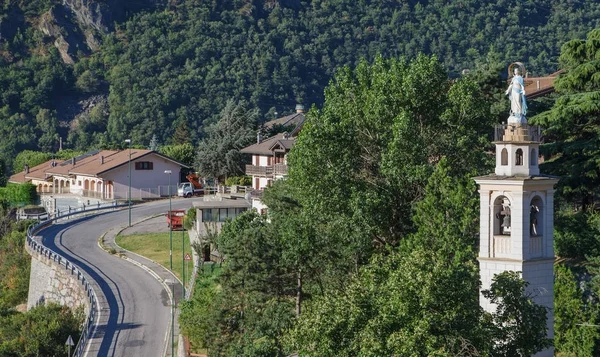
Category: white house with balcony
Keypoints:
(269, 156)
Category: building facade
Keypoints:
(105, 175)
(269, 156)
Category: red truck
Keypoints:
(175, 219)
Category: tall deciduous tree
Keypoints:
(364, 159)
(218, 153)
(573, 123)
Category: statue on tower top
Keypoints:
(516, 93)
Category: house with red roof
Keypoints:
(105, 174)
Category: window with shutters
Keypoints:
(144, 165)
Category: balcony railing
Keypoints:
(265, 171)
(502, 246)
(534, 132)
(535, 246)
(280, 169)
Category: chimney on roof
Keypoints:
(299, 108)
(74, 161)
(258, 137)
(102, 160)
(26, 168)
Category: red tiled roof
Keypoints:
(539, 86)
(91, 164)
(264, 147)
(38, 172)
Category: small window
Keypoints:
(222, 214)
(504, 157)
(519, 157)
(533, 159)
(78, 183)
(144, 165)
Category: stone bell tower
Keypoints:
(516, 216)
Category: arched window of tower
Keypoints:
(502, 227)
(504, 157)
(519, 157)
(533, 158)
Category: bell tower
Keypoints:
(516, 216)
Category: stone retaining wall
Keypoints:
(51, 282)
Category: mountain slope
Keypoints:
(159, 66)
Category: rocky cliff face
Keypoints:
(76, 25)
(48, 26)
(102, 14)
(92, 14)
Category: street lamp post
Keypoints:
(171, 265)
(183, 261)
(128, 141)
(170, 222)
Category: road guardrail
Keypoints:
(91, 319)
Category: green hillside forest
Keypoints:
(96, 72)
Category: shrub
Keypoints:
(238, 181)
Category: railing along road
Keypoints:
(90, 322)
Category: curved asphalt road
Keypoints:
(139, 308)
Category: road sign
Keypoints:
(188, 257)
(70, 343)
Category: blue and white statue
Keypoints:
(516, 93)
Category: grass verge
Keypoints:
(155, 246)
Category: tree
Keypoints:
(3, 173)
(575, 333)
(519, 325)
(302, 251)
(29, 158)
(153, 143)
(41, 331)
(364, 159)
(253, 309)
(15, 264)
(571, 126)
(218, 153)
(183, 153)
(47, 125)
(182, 134)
